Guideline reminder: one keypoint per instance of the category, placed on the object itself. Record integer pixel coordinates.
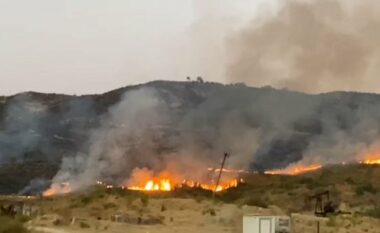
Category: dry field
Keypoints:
(354, 189)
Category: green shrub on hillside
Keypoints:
(360, 190)
(256, 201)
(86, 200)
(349, 180)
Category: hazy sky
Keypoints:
(92, 46)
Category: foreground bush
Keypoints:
(375, 213)
(9, 225)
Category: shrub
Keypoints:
(360, 190)
(331, 222)
(9, 225)
(256, 201)
(86, 200)
(109, 205)
(144, 200)
(84, 225)
(23, 218)
(375, 213)
(210, 211)
(349, 180)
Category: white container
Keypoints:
(266, 224)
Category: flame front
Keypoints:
(294, 170)
(372, 162)
(151, 185)
(55, 189)
(167, 185)
(371, 158)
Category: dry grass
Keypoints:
(10, 225)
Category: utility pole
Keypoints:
(318, 226)
(226, 155)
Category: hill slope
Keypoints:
(265, 128)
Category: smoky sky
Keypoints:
(80, 47)
(93, 46)
(312, 46)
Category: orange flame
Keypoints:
(56, 189)
(166, 185)
(145, 180)
(151, 185)
(294, 170)
(371, 159)
(371, 162)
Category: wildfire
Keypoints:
(371, 162)
(143, 179)
(212, 187)
(151, 185)
(166, 185)
(55, 189)
(371, 159)
(294, 170)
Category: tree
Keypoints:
(200, 79)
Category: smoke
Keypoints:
(182, 129)
(111, 150)
(347, 134)
(143, 136)
(37, 127)
(21, 123)
(158, 130)
(310, 45)
(35, 186)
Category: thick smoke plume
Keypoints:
(184, 128)
(311, 45)
(142, 136)
(154, 130)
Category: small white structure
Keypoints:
(266, 224)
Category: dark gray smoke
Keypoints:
(33, 126)
(22, 121)
(144, 131)
(36, 186)
(313, 46)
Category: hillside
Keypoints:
(265, 128)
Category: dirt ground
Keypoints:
(174, 215)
